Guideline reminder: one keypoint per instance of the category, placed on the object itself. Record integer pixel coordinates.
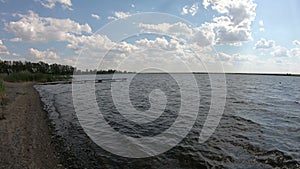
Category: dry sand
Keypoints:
(25, 140)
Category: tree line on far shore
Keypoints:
(39, 67)
(10, 67)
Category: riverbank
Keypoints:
(25, 139)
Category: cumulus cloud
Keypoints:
(264, 44)
(190, 10)
(94, 42)
(119, 15)
(176, 29)
(49, 56)
(194, 9)
(296, 42)
(227, 34)
(234, 26)
(66, 4)
(295, 52)
(158, 43)
(235, 57)
(185, 10)
(3, 49)
(97, 47)
(43, 55)
(261, 25)
(280, 52)
(95, 16)
(202, 35)
(242, 58)
(34, 28)
(205, 3)
(224, 57)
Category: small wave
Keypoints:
(276, 158)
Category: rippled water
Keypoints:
(260, 127)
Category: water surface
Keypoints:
(259, 128)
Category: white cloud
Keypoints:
(3, 49)
(224, 57)
(194, 9)
(158, 43)
(132, 5)
(66, 4)
(261, 24)
(234, 26)
(93, 42)
(228, 34)
(205, 3)
(296, 42)
(43, 55)
(295, 52)
(176, 29)
(190, 10)
(241, 13)
(15, 40)
(202, 35)
(95, 16)
(264, 44)
(235, 57)
(34, 28)
(243, 58)
(119, 15)
(280, 52)
(185, 10)
(48, 56)
(2, 1)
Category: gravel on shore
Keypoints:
(25, 139)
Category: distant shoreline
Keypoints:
(258, 74)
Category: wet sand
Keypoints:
(25, 139)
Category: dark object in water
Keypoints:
(84, 81)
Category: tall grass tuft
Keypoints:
(2, 88)
(2, 91)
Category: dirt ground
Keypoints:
(25, 140)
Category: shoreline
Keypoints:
(24, 132)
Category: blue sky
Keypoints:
(240, 35)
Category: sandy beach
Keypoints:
(24, 134)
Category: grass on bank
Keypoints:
(2, 95)
(37, 77)
(2, 89)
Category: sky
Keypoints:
(185, 35)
